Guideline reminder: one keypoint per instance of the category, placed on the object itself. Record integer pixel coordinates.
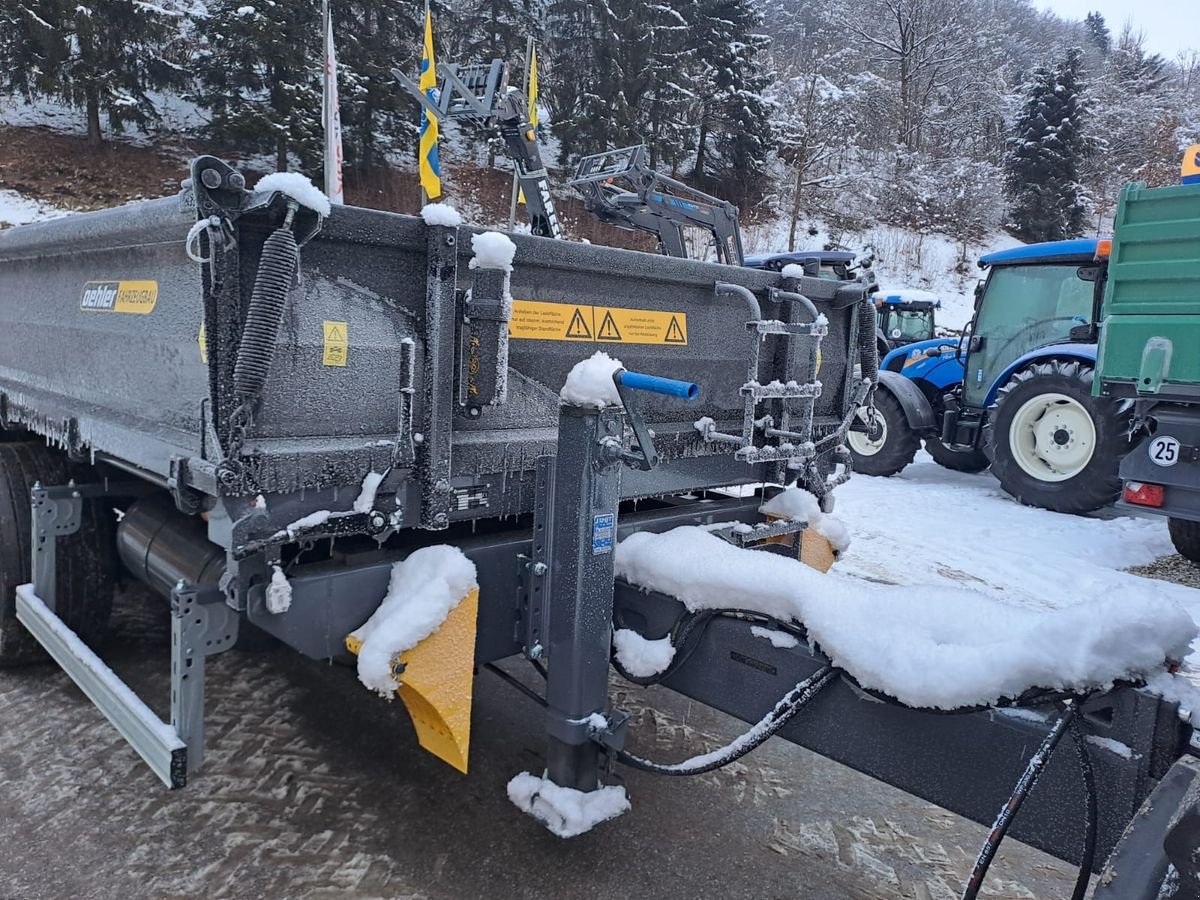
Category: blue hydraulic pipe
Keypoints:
(684, 390)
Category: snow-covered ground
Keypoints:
(18, 210)
(932, 527)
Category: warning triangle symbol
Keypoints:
(336, 333)
(608, 329)
(578, 327)
(675, 334)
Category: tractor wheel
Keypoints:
(891, 447)
(85, 577)
(1054, 445)
(1185, 535)
(957, 460)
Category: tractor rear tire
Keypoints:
(1185, 535)
(956, 460)
(895, 446)
(1052, 444)
(85, 577)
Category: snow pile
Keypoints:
(566, 811)
(777, 638)
(799, 505)
(936, 647)
(640, 657)
(279, 593)
(441, 214)
(422, 591)
(492, 250)
(792, 270)
(366, 497)
(298, 187)
(590, 382)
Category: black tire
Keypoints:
(1096, 483)
(957, 460)
(899, 443)
(1185, 535)
(85, 576)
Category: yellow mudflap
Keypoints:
(437, 680)
(815, 550)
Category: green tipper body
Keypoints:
(1150, 332)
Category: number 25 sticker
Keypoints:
(1164, 451)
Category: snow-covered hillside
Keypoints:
(17, 210)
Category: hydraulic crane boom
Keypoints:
(480, 93)
(656, 203)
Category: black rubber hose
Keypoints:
(868, 350)
(683, 650)
(1083, 879)
(783, 711)
(264, 316)
(1033, 770)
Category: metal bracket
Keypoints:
(57, 512)
(202, 624)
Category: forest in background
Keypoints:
(954, 116)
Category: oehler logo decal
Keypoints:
(131, 297)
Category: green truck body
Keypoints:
(1150, 336)
(1149, 352)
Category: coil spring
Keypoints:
(868, 351)
(276, 267)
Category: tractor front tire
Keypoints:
(1185, 535)
(85, 560)
(892, 447)
(956, 460)
(1052, 444)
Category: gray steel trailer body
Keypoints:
(222, 429)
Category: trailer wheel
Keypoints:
(85, 577)
(1054, 445)
(891, 447)
(956, 460)
(1185, 535)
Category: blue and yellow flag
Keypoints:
(427, 162)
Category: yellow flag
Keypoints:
(533, 113)
(427, 161)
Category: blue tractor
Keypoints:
(1016, 393)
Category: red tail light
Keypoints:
(1143, 494)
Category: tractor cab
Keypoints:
(906, 316)
(1034, 299)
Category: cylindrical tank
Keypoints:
(161, 546)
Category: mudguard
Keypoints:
(916, 407)
(1085, 353)
(436, 683)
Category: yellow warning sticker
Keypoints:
(202, 340)
(337, 343)
(535, 320)
(134, 297)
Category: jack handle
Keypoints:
(644, 456)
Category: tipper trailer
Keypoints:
(293, 407)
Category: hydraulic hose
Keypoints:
(1033, 770)
(1093, 814)
(264, 316)
(783, 711)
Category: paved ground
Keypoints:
(314, 788)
